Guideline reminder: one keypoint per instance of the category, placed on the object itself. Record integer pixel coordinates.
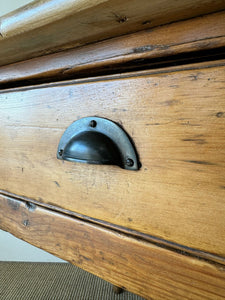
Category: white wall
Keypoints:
(10, 5)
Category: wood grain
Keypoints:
(140, 267)
(176, 119)
(48, 26)
(202, 33)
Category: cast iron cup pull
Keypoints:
(96, 140)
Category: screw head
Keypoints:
(93, 123)
(60, 152)
(129, 162)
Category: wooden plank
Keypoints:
(140, 267)
(49, 26)
(132, 233)
(178, 194)
(202, 33)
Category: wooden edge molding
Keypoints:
(166, 70)
(196, 253)
(50, 26)
(133, 264)
(202, 33)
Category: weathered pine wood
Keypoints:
(207, 32)
(49, 26)
(140, 267)
(132, 233)
(176, 119)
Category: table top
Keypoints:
(43, 27)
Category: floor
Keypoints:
(56, 281)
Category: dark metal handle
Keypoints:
(96, 140)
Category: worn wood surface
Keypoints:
(49, 26)
(202, 33)
(176, 119)
(140, 267)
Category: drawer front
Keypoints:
(177, 121)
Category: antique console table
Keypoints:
(112, 139)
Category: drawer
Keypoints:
(176, 118)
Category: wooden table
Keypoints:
(155, 68)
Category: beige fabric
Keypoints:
(53, 281)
